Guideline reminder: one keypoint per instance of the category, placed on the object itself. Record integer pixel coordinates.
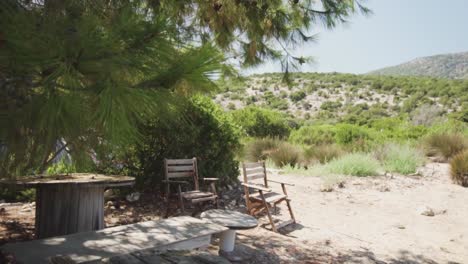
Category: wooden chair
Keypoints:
(186, 169)
(263, 198)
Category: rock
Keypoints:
(384, 188)
(109, 204)
(341, 185)
(225, 197)
(400, 226)
(133, 197)
(427, 211)
(325, 188)
(230, 187)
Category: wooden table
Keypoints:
(72, 203)
(123, 244)
(232, 220)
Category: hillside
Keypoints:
(452, 66)
(345, 97)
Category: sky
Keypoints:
(396, 32)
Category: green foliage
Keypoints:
(355, 164)
(459, 168)
(87, 74)
(401, 158)
(286, 155)
(313, 135)
(202, 130)
(260, 122)
(297, 96)
(347, 134)
(445, 145)
(61, 167)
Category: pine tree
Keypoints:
(86, 72)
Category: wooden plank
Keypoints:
(255, 176)
(253, 164)
(179, 174)
(106, 243)
(254, 170)
(179, 161)
(180, 168)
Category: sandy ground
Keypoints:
(378, 219)
(372, 220)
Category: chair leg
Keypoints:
(168, 202)
(290, 211)
(268, 212)
(181, 199)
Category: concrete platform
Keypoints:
(178, 233)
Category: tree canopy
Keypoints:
(85, 72)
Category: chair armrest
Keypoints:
(210, 179)
(285, 183)
(176, 182)
(257, 187)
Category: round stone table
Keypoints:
(71, 203)
(234, 221)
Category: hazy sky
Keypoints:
(397, 31)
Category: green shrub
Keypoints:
(202, 130)
(400, 158)
(260, 148)
(286, 155)
(297, 96)
(445, 145)
(313, 135)
(355, 164)
(260, 122)
(347, 134)
(61, 167)
(459, 168)
(323, 153)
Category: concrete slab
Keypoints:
(95, 245)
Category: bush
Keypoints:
(286, 155)
(260, 122)
(322, 153)
(400, 158)
(445, 145)
(202, 130)
(260, 148)
(459, 168)
(297, 96)
(313, 135)
(355, 164)
(347, 134)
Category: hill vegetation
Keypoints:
(355, 99)
(453, 66)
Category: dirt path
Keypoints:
(371, 220)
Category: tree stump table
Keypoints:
(72, 203)
(234, 221)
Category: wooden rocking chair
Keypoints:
(177, 169)
(263, 198)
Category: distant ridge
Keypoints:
(451, 66)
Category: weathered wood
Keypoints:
(68, 208)
(180, 168)
(179, 161)
(182, 174)
(252, 164)
(264, 198)
(231, 219)
(183, 168)
(174, 233)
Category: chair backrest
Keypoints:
(254, 171)
(181, 168)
